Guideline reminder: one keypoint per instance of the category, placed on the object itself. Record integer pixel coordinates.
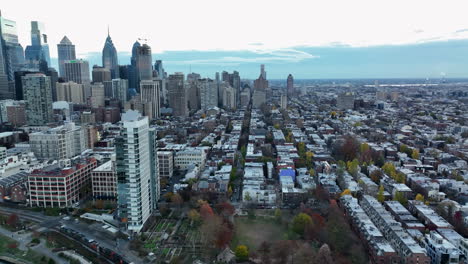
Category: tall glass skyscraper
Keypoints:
(109, 57)
(66, 52)
(12, 53)
(144, 62)
(39, 47)
(133, 80)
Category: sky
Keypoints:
(310, 39)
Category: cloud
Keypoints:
(259, 56)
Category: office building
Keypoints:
(133, 76)
(345, 101)
(37, 94)
(104, 181)
(158, 67)
(149, 92)
(109, 58)
(71, 92)
(120, 90)
(229, 96)
(193, 95)
(290, 85)
(166, 163)
(177, 95)
(66, 52)
(284, 101)
(136, 174)
(97, 95)
(190, 156)
(144, 63)
(101, 74)
(208, 93)
(62, 142)
(39, 47)
(78, 71)
(12, 54)
(54, 186)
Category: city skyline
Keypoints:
(305, 34)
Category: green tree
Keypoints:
(364, 147)
(400, 197)
(247, 197)
(300, 222)
(278, 215)
(389, 169)
(415, 154)
(419, 197)
(242, 253)
(353, 167)
(380, 194)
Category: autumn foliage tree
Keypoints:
(300, 222)
(206, 211)
(242, 253)
(13, 221)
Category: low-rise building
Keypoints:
(104, 181)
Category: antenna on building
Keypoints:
(108, 32)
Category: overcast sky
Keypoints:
(250, 25)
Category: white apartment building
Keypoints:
(58, 143)
(166, 163)
(190, 156)
(134, 171)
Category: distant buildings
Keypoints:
(39, 48)
(290, 85)
(144, 63)
(70, 92)
(260, 89)
(66, 52)
(177, 94)
(345, 101)
(37, 93)
(149, 91)
(78, 72)
(101, 74)
(208, 93)
(109, 58)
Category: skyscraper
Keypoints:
(149, 92)
(262, 71)
(109, 57)
(120, 90)
(38, 98)
(133, 81)
(13, 53)
(101, 74)
(136, 165)
(10, 57)
(208, 94)
(158, 67)
(78, 71)
(177, 94)
(290, 85)
(66, 52)
(144, 63)
(39, 47)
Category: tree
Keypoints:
(206, 211)
(376, 175)
(389, 169)
(264, 250)
(346, 192)
(99, 204)
(309, 156)
(324, 255)
(276, 126)
(353, 167)
(300, 222)
(350, 148)
(194, 215)
(13, 221)
(415, 154)
(242, 253)
(176, 199)
(226, 209)
(380, 194)
(247, 197)
(400, 197)
(278, 215)
(168, 196)
(311, 172)
(419, 197)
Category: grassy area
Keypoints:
(252, 232)
(8, 249)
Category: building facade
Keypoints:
(37, 94)
(66, 52)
